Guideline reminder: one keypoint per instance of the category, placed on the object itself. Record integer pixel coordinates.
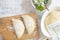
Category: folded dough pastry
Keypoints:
(52, 17)
(19, 27)
(29, 23)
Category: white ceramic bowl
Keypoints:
(49, 2)
(43, 28)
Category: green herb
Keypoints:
(41, 0)
(45, 2)
(39, 7)
(40, 4)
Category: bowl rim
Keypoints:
(43, 29)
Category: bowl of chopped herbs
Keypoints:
(40, 4)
